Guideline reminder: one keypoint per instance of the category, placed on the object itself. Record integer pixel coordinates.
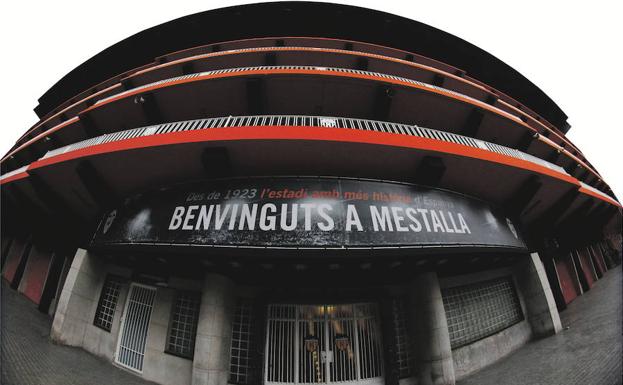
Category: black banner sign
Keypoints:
(288, 212)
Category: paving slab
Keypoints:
(30, 358)
(586, 352)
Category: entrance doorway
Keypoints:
(134, 326)
(321, 344)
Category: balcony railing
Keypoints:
(304, 121)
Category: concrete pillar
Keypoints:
(430, 329)
(540, 304)
(79, 296)
(212, 344)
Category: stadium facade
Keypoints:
(301, 193)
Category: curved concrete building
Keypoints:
(301, 193)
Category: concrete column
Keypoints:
(430, 329)
(79, 296)
(212, 344)
(540, 304)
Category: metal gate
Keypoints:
(311, 344)
(134, 325)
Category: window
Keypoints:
(241, 340)
(183, 324)
(404, 356)
(478, 310)
(107, 303)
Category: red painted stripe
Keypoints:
(15, 177)
(41, 135)
(599, 196)
(449, 94)
(438, 91)
(327, 72)
(313, 49)
(353, 53)
(71, 106)
(303, 133)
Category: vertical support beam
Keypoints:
(51, 282)
(127, 83)
(362, 63)
(430, 171)
(383, 102)
(392, 372)
(270, 59)
(491, 99)
(95, 184)
(211, 360)
(255, 96)
(552, 275)
(472, 124)
(150, 108)
(88, 125)
(77, 299)
(524, 195)
(216, 162)
(551, 216)
(188, 68)
(526, 140)
(430, 329)
(438, 80)
(259, 309)
(540, 304)
(21, 266)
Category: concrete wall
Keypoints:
(97, 340)
(538, 306)
(73, 322)
(61, 283)
(212, 348)
(75, 309)
(159, 366)
(475, 356)
(541, 310)
(429, 330)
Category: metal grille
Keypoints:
(239, 70)
(183, 325)
(107, 303)
(323, 343)
(304, 121)
(481, 309)
(131, 349)
(241, 339)
(404, 354)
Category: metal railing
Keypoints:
(14, 172)
(304, 121)
(302, 68)
(594, 190)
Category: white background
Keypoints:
(572, 50)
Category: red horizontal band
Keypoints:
(15, 177)
(303, 133)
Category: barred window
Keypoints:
(241, 340)
(183, 324)
(478, 310)
(107, 303)
(404, 356)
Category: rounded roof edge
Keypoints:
(310, 19)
